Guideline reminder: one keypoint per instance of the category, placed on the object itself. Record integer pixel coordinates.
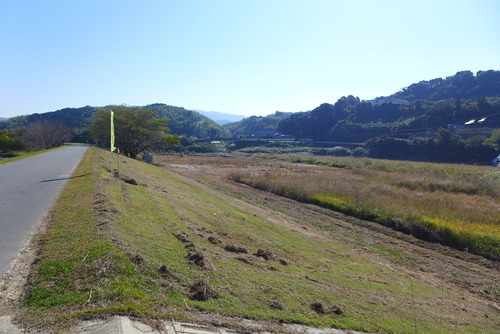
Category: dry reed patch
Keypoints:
(456, 196)
(442, 213)
(376, 191)
(448, 195)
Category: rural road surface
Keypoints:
(28, 188)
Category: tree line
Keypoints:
(181, 121)
(39, 135)
(350, 119)
(136, 129)
(446, 146)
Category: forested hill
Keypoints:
(180, 120)
(351, 119)
(188, 122)
(75, 118)
(251, 125)
(463, 85)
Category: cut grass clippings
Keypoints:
(113, 247)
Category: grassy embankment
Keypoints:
(173, 247)
(455, 205)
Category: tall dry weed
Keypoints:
(437, 202)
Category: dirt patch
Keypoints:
(182, 237)
(321, 309)
(265, 254)
(235, 249)
(137, 259)
(129, 180)
(197, 257)
(276, 304)
(283, 262)
(244, 260)
(202, 291)
(213, 240)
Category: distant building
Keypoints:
(473, 123)
(388, 100)
(266, 133)
(455, 126)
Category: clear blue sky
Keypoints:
(247, 57)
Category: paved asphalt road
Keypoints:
(28, 188)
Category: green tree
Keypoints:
(386, 147)
(9, 142)
(476, 150)
(447, 139)
(136, 129)
(494, 140)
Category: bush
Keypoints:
(340, 151)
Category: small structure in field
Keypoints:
(148, 157)
(496, 161)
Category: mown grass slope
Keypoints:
(159, 244)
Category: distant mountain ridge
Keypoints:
(432, 104)
(220, 117)
(435, 103)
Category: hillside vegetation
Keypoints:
(178, 240)
(448, 120)
(252, 125)
(352, 120)
(188, 122)
(463, 85)
(431, 104)
(180, 121)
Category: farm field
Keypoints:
(181, 239)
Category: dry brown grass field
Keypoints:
(452, 204)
